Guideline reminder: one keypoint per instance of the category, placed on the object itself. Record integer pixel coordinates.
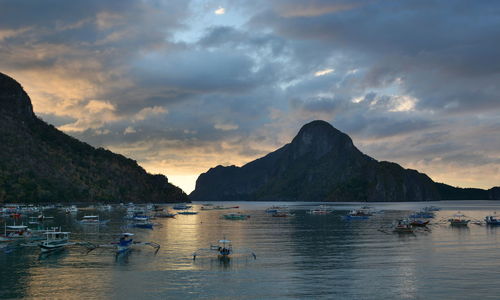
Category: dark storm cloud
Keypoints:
(445, 52)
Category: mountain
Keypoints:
(321, 164)
(39, 163)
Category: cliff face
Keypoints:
(39, 163)
(320, 164)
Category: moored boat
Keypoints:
(283, 214)
(403, 226)
(419, 223)
(166, 214)
(422, 215)
(17, 232)
(235, 216)
(358, 214)
(181, 206)
(92, 220)
(55, 240)
(189, 212)
(458, 220)
(492, 220)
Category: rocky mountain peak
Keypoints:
(319, 138)
(13, 99)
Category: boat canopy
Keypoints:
(17, 227)
(90, 217)
(56, 232)
(127, 234)
(224, 241)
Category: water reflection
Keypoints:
(298, 257)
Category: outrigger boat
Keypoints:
(181, 206)
(235, 216)
(274, 209)
(17, 232)
(145, 225)
(431, 208)
(419, 223)
(55, 240)
(320, 211)
(358, 214)
(492, 220)
(71, 209)
(403, 226)
(224, 250)
(164, 215)
(93, 220)
(458, 220)
(187, 213)
(282, 214)
(422, 215)
(125, 244)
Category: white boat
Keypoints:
(71, 209)
(17, 232)
(224, 250)
(55, 240)
(92, 220)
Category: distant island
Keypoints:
(322, 164)
(40, 164)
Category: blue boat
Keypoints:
(422, 215)
(181, 206)
(124, 243)
(358, 214)
(146, 225)
(492, 220)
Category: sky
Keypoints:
(182, 86)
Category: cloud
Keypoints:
(226, 127)
(323, 72)
(220, 11)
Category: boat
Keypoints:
(140, 218)
(492, 220)
(403, 226)
(55, 240)
(17, 232)
(282, 214)
(124, 243)
(431, 208)
(224, 251)
(320, 211)
(273, 209)
(92, 220)
(165, 215)
(458, 220)
(187, 213)
(419, 223)
(181, 206)
(71, 209)
(157, 208)
(145, 225)
(218, 207)
(235, 216)
(422, 215)
(358, 214)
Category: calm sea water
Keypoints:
(301, 257)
